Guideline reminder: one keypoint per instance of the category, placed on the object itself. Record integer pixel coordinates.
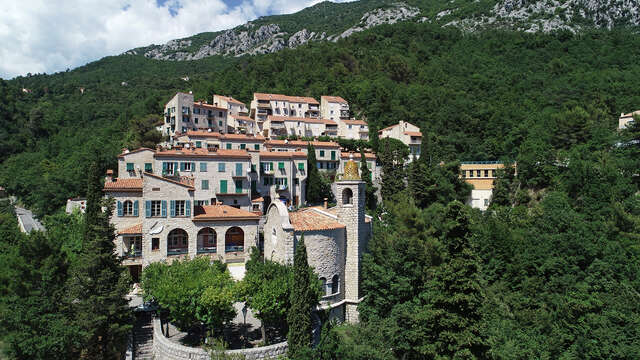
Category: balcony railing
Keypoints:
(132, 254)
(177, 251)
(207, 250)
(233, 248)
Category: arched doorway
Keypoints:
(234, 240)
(207, 240)
(177, 242)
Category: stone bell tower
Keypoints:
(350, 196)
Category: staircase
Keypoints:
(143, 337)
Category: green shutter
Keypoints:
(147, 208)
(228, 146)
(129, 166)
(164, 167)
(301, 166)
(120, 207)
(148, 167)
(280, 166)
(198, 144)
(243, 146)
(172, 209)
(223, 186)
(256, 146)
(164, 208)
(333, 155)
(175, 167)
(135, 208)
(193, 167)
(271, 166)
(205, 184)
(238, 169)
(203, 167)
(321, 153)
(221, 167)
(238, 186)
(187, 208)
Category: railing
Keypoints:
(207, 250)
(177, 251)
(132, 254)
(233, 248)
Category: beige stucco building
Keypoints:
(625, 119)
(182, 114)
(335, 239)
(334, 108)
(481, 175)
(409, 134)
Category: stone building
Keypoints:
(335, 239)
(182, 114)
(409, 134)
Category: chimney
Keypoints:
(109, 177)
(125, 150)
(325, 202)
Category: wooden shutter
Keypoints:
(223, 186)
(119, 208)
(135, 208)
(147, 208)
(238, 169)
(193, 167)
(172, 209)
(187, 208)
(163, 212)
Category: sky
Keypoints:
(46, 36)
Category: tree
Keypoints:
(266, 288)
(143, 133)
(302, 302)
(441, 183)
(393, 155)
(505, 187)
(99, 283)
(370, 190)
(316, 190)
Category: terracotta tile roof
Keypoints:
(281, 97)
(222, 212)
(135, 151)
(120, 184)
(229, 99)
(631, 114)
(242, 117)
(357, 156)
(282, 154)
(301, 143)
(184, 181)
(388, 128)
(355, 122)
(413, 133)
(133, 230)
(301, 119)
(259, 199)
(243, 137)
(202, 152)
(208, 106)
(335, 99)
(203, 133)
(311, 219)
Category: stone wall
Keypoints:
(165, 349)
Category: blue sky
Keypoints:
(49, 35)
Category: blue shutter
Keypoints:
(119, 208)
(172, 210)
(147, 208)
(187, 208)
(182, 166)
(175, 167)
(135, 208)
(164, 167)
(193, 167)
(203, 166)
(163, 212)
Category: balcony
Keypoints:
(240, 192)
(232, 248)
(127, 254)
(177, 251)
(207, 250)
(277, 125)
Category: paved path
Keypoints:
(28, 221)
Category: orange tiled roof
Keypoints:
(242, 117)
(413, 133)
(230, 99)
(310, 219)
(335, 99)
(355, 122)
(258, 199)
(631, 114)
(184, 181)
(134, 151)
(299, 143)
(243, 137)
(133, 230)
(202, 152)
(203, 133)
(222, 212)
(282, 154)
(209, 106)
(388, 128)
(281, 97)
(368, 155)
(120, 184)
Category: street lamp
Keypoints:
(244, 315)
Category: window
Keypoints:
(321, 153)
(129, 166)
(331, 112)
(350, 127)
(486, 202)
(186, 166)
(281, 181)
(167, 168)
(179, 208)
(148, 167)
(198, 143)
(205, 185)
(220, 115)
(470, 173)
(155, 244)
(223, 186)
(220, 122)
(335, 284)
(301, 166)
(486, 173)
(281, 166)
(221, 167)
(201, 202)
(478, 173)
(178, 241)
(195, 120)
(320, 165)
(256, 147)
(266, 166)
(333, 155)
(296, 181)
(347, 196)
(127, 208)
(324, 286)
(238, 186)
(228, 146)
(253, 167)
(238, 169)
(203, 167)
(156, 208)
(206, 240)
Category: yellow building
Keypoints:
(481, 175)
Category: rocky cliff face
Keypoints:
(249, 39)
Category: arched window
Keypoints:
(324, 286)
(335, 284)
(234, 240)
(177, 242)
(207, 240)
(127, 208)
(347, 196)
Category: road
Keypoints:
(27, 220)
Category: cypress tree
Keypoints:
(393, 154)
(314, 189)
(365, 175)
(99, 283)
(299, 317)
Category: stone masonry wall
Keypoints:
(164, 349)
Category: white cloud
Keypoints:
(53, 35)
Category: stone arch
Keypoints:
(207, 240)
(177, 242)
(234, 239)
(335, 284)
(347, 196)
(127, 208)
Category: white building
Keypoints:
(481, 175)
(625, 119)
(334, 108)
(409, 134)
(182, 114)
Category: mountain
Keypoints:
(329, 21)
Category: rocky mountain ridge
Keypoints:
(273, 35)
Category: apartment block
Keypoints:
(182, 114)
(297, 126)
(334, 108)
(409, 134)
(327, 152)
(626, 119)
(481, 175)
(233, 106)
(353, 129)
(263, 105)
